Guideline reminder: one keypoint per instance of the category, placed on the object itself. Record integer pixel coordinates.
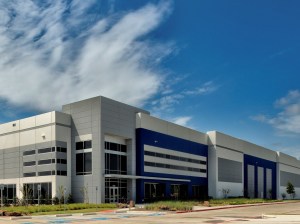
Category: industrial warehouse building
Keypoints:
(102, 150)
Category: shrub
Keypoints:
(290, 190)
(55, 200)
(283, 195)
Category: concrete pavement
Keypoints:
(284, 213)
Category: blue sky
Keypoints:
(231, 66)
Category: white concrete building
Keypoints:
(101, 150)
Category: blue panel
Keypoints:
(266, 164)
(147, 137)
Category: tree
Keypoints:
(61, 197)
(290, 189)
(85, 195)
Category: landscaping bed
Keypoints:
(188, 205)
(54, 209)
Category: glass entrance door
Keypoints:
(113, 194)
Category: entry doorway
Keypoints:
(113, 194)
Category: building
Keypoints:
(101, 150)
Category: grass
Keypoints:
(238, 201)
(57, 209)
(188, 205)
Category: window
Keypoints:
(179, 191)
(115, 164)
(199, 192)
(31, 192)
(83, 163)
(61, 172)
(62, 161)
(46, 161)
(45, 150)
(174, 167)
(84, 145)
(30, 152)
(79, 145)
(154, 191)
(115, 147)
(87, 144)
(172, 157)
(30, 163)
(46, 173)
(9, 193)
(32, 174)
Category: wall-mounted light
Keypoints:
(43, 135)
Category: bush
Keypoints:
(172, 205)
(70, 199)
(55, 200)
(290, 190)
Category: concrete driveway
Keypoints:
(275, 213)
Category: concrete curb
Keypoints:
(62, 215)
(20, 217)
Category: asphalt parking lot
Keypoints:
(274, 213)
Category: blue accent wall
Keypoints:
(266, 164)
(156, 139)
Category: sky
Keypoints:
(231, 66)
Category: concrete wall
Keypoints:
(86, 126)
(33, 133)
(291, 166)
(93, 119)
(118, 119)
(242, 146)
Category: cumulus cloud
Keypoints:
(287, 120)
(55, 52)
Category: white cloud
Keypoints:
(287, 121)
(206, 88)
(57, 54)
(182, 120)
(170, 98)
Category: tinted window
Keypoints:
(45, 173)
(44, 150)
(63, 161)
(79, 163)
(79, 145)
(88, 144)
(29, 174)
(83, 163)
(88, 162)
(31, 163)
(31, 152)
(46, 161)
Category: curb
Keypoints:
(20, 217)
(235, 206)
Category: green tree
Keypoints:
(290, 189)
